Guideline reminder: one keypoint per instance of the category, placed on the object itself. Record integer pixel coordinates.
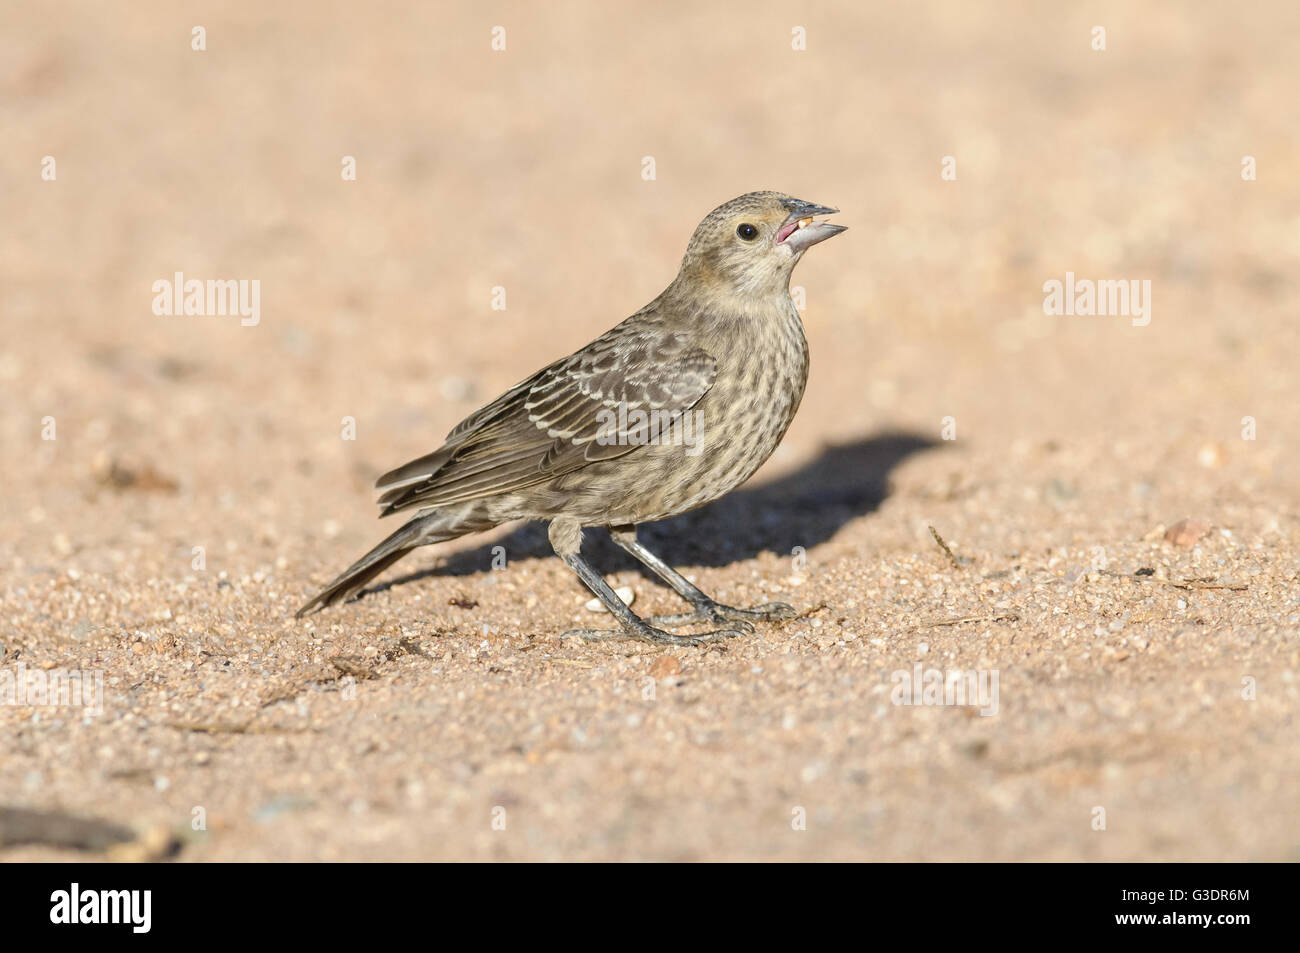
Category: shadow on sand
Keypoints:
(803, 508)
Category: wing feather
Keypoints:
(562, 418)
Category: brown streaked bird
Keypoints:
(665, 412)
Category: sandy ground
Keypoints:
(199, 487)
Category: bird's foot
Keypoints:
(648, 633)
(719, 614)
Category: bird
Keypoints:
(667, 411)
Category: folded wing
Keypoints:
(592, 405)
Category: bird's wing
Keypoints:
(578, 410)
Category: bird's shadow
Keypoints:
(803, 508)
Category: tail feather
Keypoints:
(414, 534)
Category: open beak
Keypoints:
(799, 232)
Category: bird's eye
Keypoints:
(747, 232)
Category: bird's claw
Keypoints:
(694, 618)
(774, 611)
(719, 614)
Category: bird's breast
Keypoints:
(758, 390)
(741, 420)
(718, 444)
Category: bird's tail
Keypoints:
(435, 527)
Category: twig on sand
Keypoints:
(1208, 584)
(1005, 617)
(233, 728)
(23, 826)
(810, 611)
(1199, 582)
(956, 564)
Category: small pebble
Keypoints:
(623, 592)
(1186, 533)
(664, 666)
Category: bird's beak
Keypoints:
(800, 232)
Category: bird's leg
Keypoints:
(631, 625)
(703, 608)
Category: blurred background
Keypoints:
(524, 169)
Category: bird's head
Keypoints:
(750, 245)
